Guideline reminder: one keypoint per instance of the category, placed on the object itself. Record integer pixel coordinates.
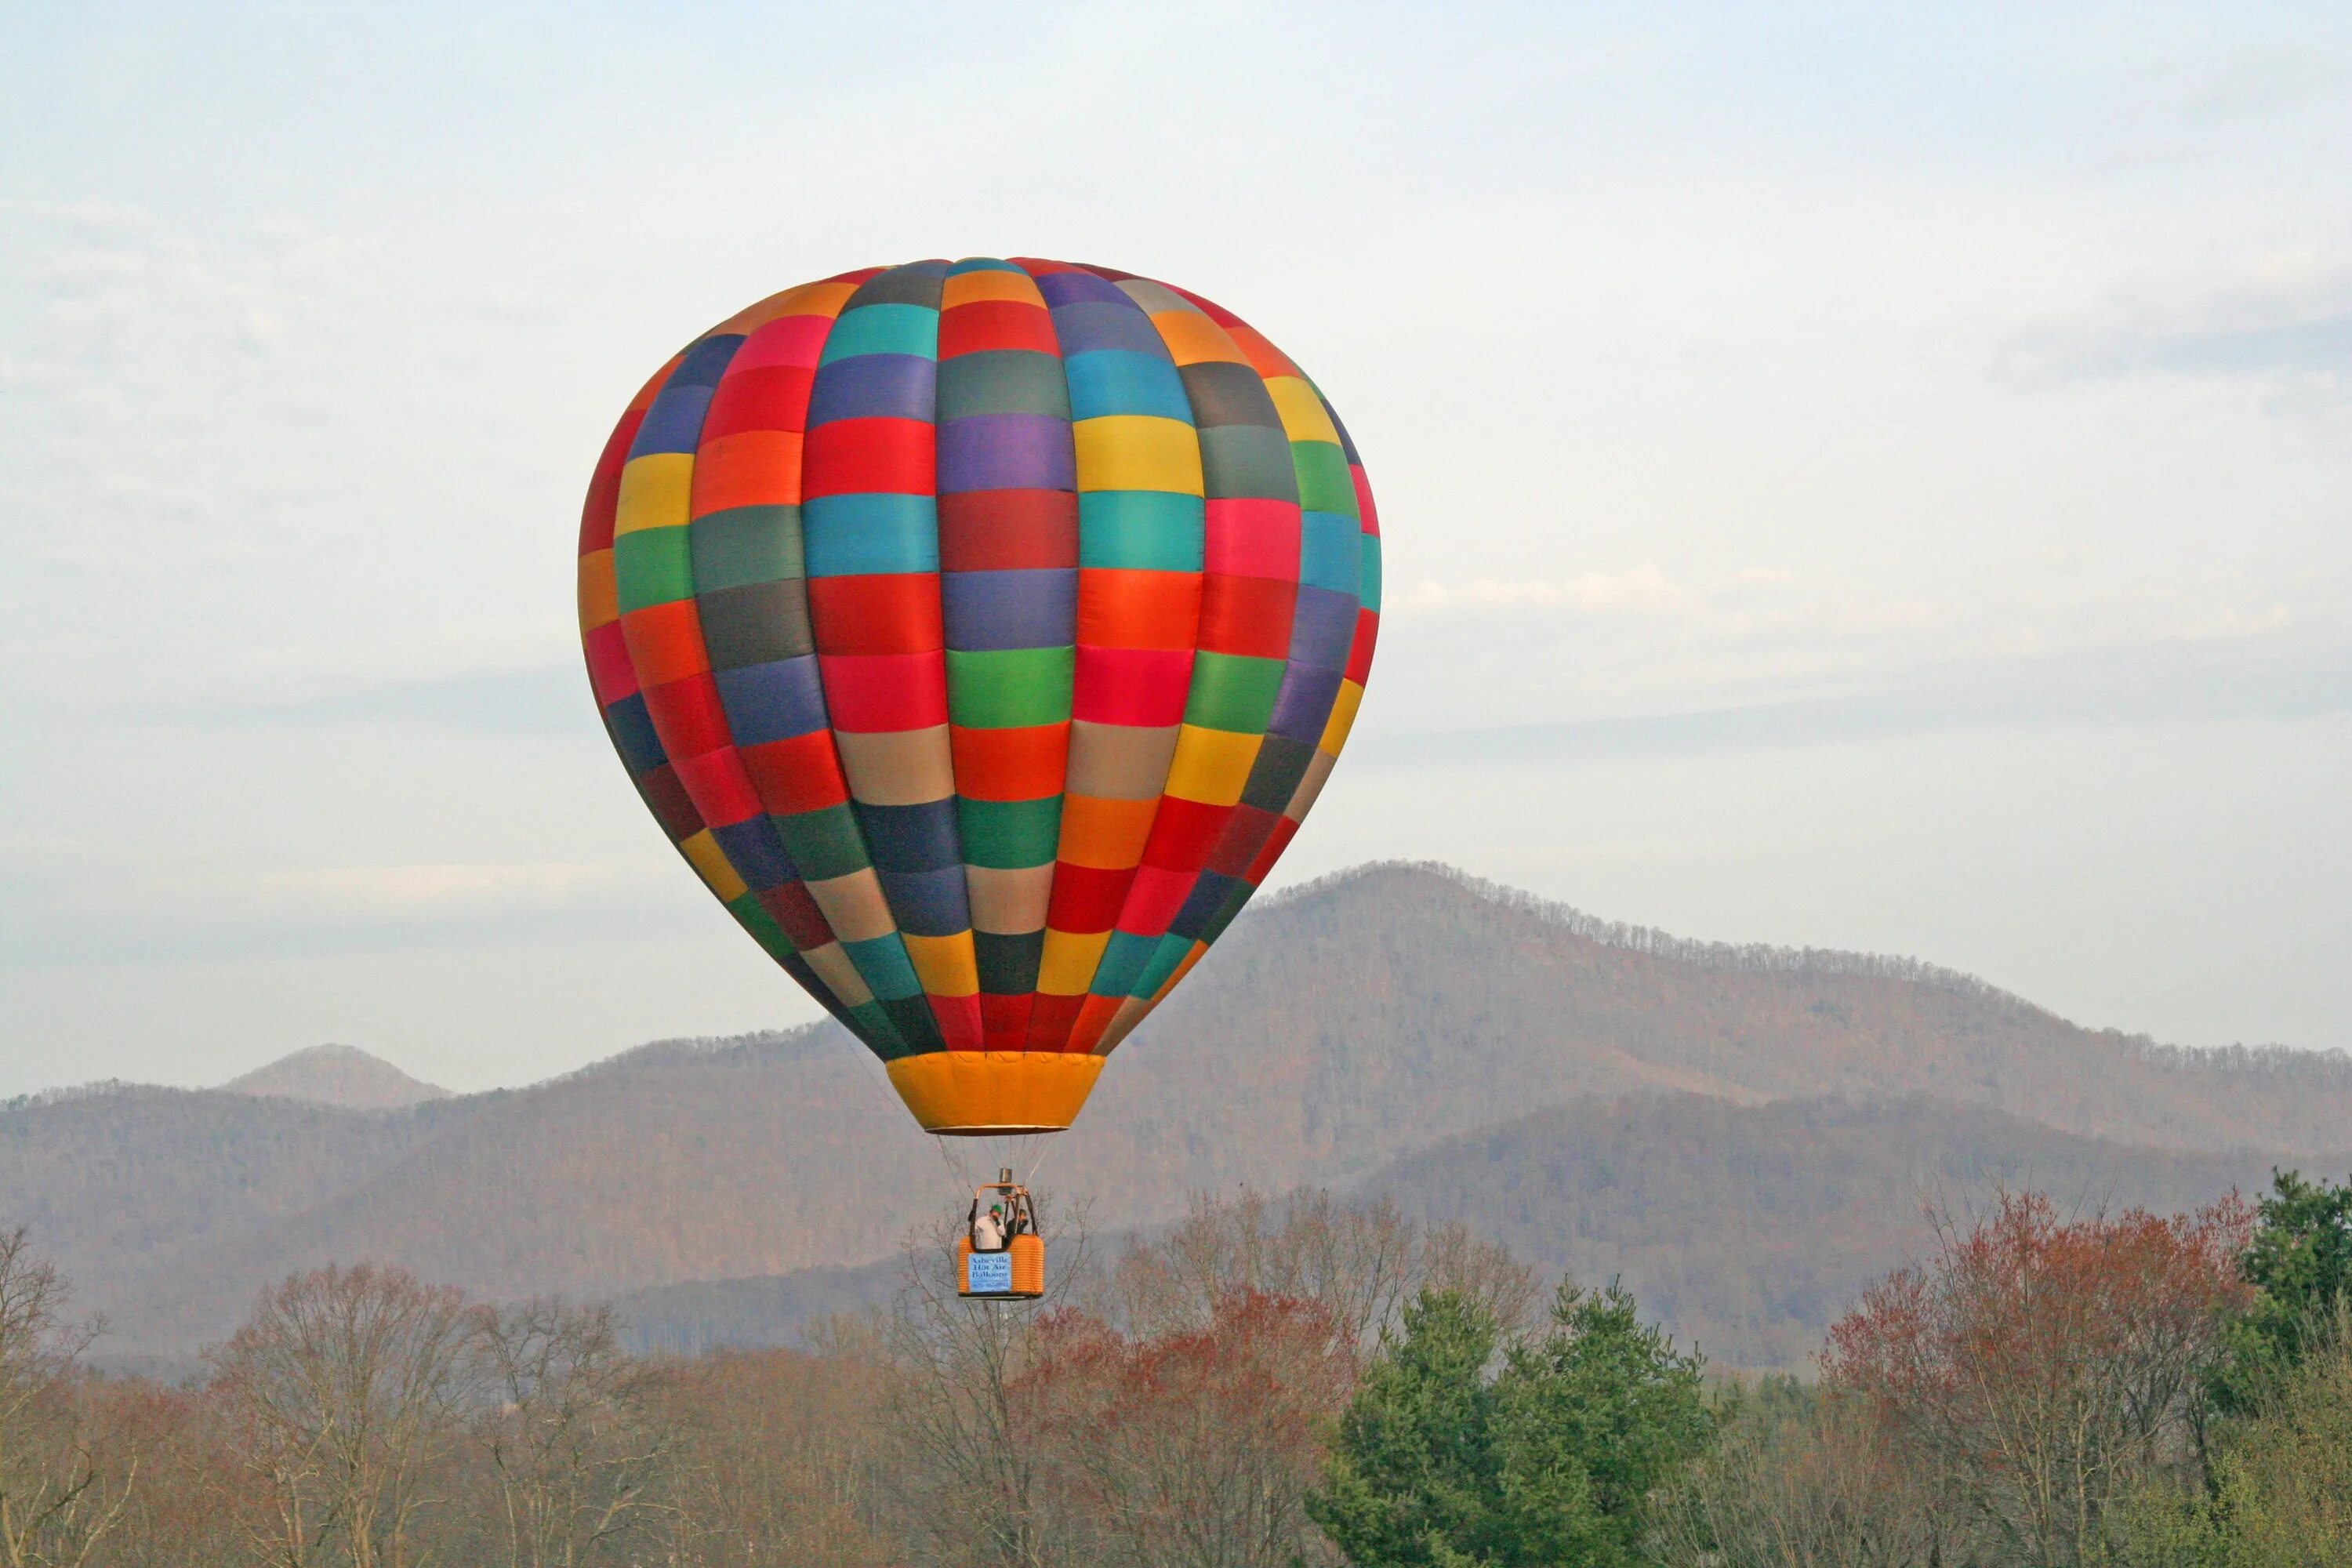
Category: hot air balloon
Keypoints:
(981, 632)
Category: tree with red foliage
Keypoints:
(1194, 1448)
(2044, 1364)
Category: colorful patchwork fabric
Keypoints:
(980, 633)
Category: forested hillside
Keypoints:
(1354, 1024)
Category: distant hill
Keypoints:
(1337, 1030)
(1746, 1228)
(342, 1075)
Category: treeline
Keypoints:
(1263, 1387)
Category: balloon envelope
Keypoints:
(980, 633)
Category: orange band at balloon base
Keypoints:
(980, 1094)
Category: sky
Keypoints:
(1851, 476)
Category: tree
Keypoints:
(2300, 1264)
(1193, 1449)
(1413, 1479)
(566, 1434)
(2045, 1365)
(351, 1385)
(65, 1474)
(1553, 1460)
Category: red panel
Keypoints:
(803, 774)
(604, 486)
(721, 791)
(1364, 506)
(958, 1020)
(867, 694)
(1122, 608)
(1004, 1020)
(1248, 537)
(1237, 846)
(609, 670)
(665, 798)
(1003, 531)
(896, 611)
(1154, 899)
(793, 340)
(771, 398)
(986, 324)
(666, 642)
(1247, 615)
(791, 907)
(1095, 1015)
(1050, 1021)
(687, 716)
(1183, 831)
(1284, 830)
(870, 456)
(1360, 653)
(1086, 899)
(1132, 686)
(1026, 762)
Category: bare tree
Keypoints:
(66, 1475)
(351, 1385)
(577, 1459)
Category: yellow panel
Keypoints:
(965, 287)
(1304, 417)
(1070, 961)
(709, 863)
(1192, 338)
(1212, 765)
(808, 300)
(944, 964)
(657, 490)
(995, 1091)
(1343, 717)
(832, 966)
(600, 599)
(1137, 452)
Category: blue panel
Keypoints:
(1329, 553)
(1145, 531)
(911, 838)
(883, 330)
(1084, 328)
(847, 536)
(633, 734)
(772, 701)
(1073, 287)
(674, 422)
(927, 903)
(987, 611)
(755, 852)
(1120, 381)
(875, 386)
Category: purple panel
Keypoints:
(1006, 452)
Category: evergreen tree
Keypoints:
(1441, 1462)
(2300, 1262)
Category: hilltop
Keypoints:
(340, 1076)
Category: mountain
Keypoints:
(1339, 1029)
(340, 1076)
(1748, 1229)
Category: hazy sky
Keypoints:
(1874, 477)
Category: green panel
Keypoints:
(1007, 688)
(1003, 381)
(875, 1027)
(1008, 834)
(652, 566)
(1247, 460)
(761, 925)
(1142, 530)
(1369, 594)
(1231, 692)
(1324, 482)
(1172, 949)
(823, 844)
(746, 544)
